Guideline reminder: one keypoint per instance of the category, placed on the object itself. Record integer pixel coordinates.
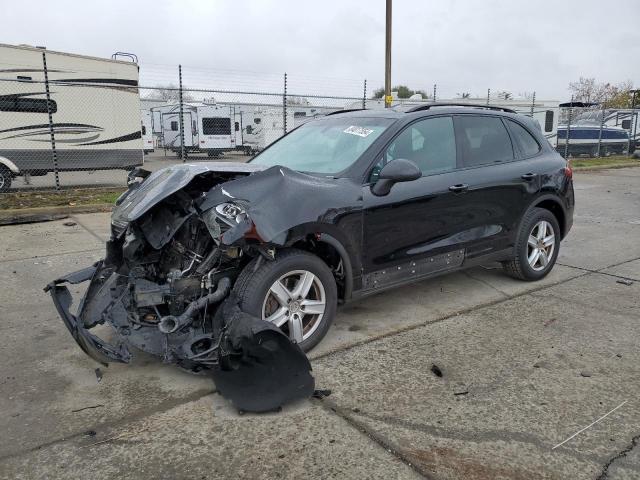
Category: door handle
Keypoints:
(461, 187)
(529, 176)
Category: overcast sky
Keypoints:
(462, 45)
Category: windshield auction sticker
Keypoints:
(359, 131)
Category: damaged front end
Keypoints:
(164, 288)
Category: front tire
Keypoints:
(536, 247)
(296, 292)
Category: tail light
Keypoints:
(568, 171)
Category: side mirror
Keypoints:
(398, 170)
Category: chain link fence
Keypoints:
(66, 126)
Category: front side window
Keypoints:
(525, 141)
(326, 146)
(484, 140)
(216, 126)
(429, 143)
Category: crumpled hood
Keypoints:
(278, 199)
(167, 181)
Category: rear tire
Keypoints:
(537, 246)
(5, 178)
(293, 309)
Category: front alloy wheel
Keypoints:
(295, 303)
(296, 292)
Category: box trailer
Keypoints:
(95, 112)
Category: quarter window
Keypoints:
(429, 143)
(483, 140)
(525, 141)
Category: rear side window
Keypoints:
(525, 141)
(429, 143)
(216, 126)
(174, 126)
(483, 140)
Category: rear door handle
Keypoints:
(529, 176)
(461, 187)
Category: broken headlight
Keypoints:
(231, 212)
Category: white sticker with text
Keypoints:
(359, 131)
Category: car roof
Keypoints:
(433, 109)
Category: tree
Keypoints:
(403, 92)
(169, 93)
(504, 95)
(588, 90)
(464, 95)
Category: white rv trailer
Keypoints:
(146, 128)
(211, 129)
(95, 109)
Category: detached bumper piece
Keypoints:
(260, 369)
(93, 346)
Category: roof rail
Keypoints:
(472, 105)
(344, 111)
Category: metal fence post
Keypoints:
(284, 105)
(364, 95)
(54, 153)
(601, 127)
(533, 103)
(435, 89)
(182, 152)
(566, 141)
(488, 95)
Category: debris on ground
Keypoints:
(549, 322)
(320, 394)
(436, 370)
(624, 281)
(464, 392)
(585, 373)
(98, 374)
(69, 224)
(87, 408)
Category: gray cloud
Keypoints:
(460, 45)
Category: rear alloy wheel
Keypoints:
(296, 292)
(536, 247)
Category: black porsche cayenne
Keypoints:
(342, 207)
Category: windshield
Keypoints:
(327, 146)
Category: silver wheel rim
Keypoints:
(540, 245)
(295, 303)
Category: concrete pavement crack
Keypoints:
(374, 436)
(623, 453)
(91, 232)
(484, 282)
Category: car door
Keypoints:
(497, 180)
(414, 230)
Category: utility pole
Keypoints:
(387, 59)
